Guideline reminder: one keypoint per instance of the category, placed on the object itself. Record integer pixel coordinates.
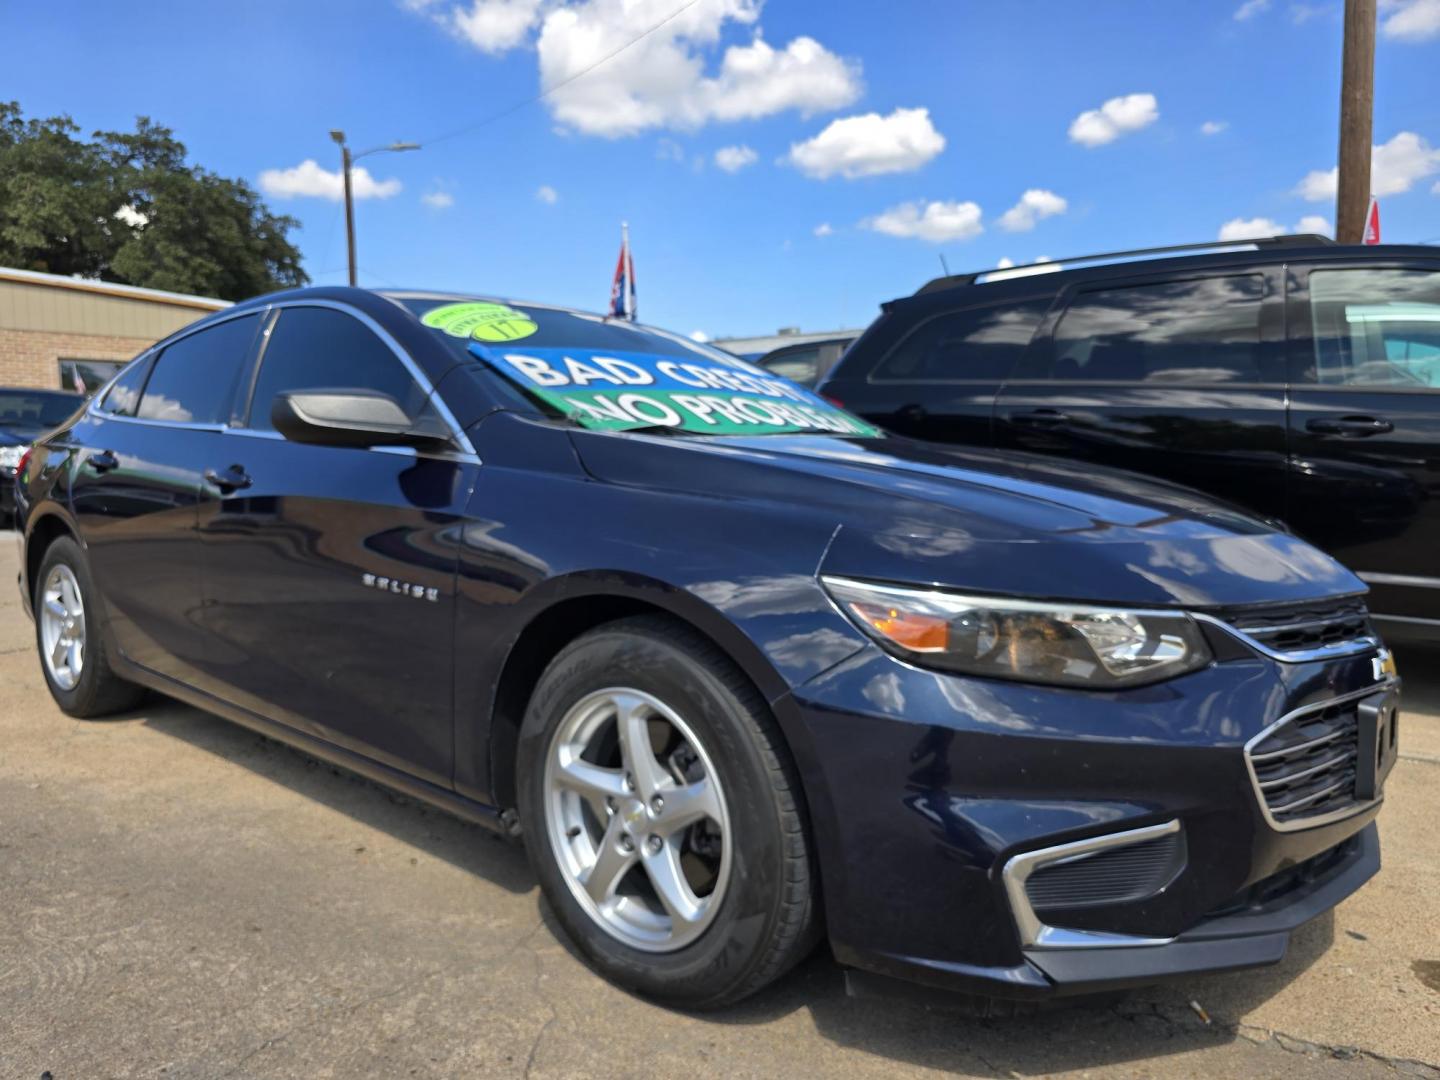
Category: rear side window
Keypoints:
(799, 366)
(1377, 328)
(315, 348)
(193, 379)
(1205, 331)
(123, 397)
(980, 343)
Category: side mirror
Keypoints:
(348, 418)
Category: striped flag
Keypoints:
(622, 289)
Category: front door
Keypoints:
(1180, 378)
(1365, 428)
(329, 571)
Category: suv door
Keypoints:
(1180, 377)
(935, 375)
(142, 452)
(1365, 428)
(329, 571)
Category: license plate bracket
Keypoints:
(1379, 716)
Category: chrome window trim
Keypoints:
(1353, 647)
(1034, 932)
(1319, 706)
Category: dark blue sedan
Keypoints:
(742, 671)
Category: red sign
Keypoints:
(1372, 223)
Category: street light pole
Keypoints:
(347, 161)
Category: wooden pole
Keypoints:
(1357, 107)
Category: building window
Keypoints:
(87, 376)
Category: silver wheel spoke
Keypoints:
(69, 596)
(58, 652)
(687, 805)
(632, 722)
(670, 885)
(55, 607)
(591, 783)
(76, 657)
(610, 864)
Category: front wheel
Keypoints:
(662, 816)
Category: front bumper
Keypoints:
(917, 821)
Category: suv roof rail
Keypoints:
(1051, 265)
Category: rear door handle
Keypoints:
(232, 479)
(1040, 418)
(1349, 427)
(102, 461)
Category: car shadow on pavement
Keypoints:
(463, 844)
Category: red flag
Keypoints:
(1372, 222)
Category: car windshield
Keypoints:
(37, 409)
(610, 374)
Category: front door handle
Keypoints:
(1039, 418)
(232, 479)
(1350, 427)
(102, 461)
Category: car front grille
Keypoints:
(1115, 875)
(1296, 631)
(1307, 767)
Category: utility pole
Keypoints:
(1357, 107)
(347, 160)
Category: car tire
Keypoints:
(760, 915)
(94, 690)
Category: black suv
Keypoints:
(1290, 375)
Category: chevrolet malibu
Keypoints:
(741, 671)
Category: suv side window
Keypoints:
(1201, 331)
(192, 380)
(1376, 328)
(123, 397)
(799, 366)
(978, 343)
(316, 348)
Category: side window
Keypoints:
(979, 343)
(123, 397)
(799, 366)
(1204, 331)
(1376, 328)
(192, 380)
(315, 348)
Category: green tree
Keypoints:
(125, 207)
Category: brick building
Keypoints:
(64, 332)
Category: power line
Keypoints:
(560, 85)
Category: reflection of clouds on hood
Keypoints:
(1179, 591)
(883, 691)
(781, 594)
(1253, 559)
(925, 540)
(1176, 557)
(978, 703)
(819, 649)
(160, 407)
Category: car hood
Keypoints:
(1006, 523)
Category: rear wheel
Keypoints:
(662, 816)
(67, 635)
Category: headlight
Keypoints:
(1031, 641)
(10, 456)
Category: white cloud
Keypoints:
(1314, 223)
(1005, 262)
(1259, 227)
(658, 77)
(547, 194)
(824, 229)
(1118, 116)
(1213, 127)
(1250, 9)
(1395, 167)
(669, 150)
(869, 145)
(1300, 14)
(1410, 20)
(131, 217)
(1033, 205)
(309, 179)
(936, 222)
(734, 158)
(494, 26)
(700, 336)
(438, 200)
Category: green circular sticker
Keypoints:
(481, 321)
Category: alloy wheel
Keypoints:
(62, 627)
(637, 820)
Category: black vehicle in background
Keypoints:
(25, 415)
(806, 362)
(1292, 376)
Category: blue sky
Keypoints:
(900, 131)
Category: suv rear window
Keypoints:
(978, 343)
(1203, 331)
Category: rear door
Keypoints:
(329, 571)
(143, 450)
(1365, 426)
(1181, 377)
(935, 376)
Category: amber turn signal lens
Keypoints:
(918, 633)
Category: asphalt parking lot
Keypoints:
(180, 897)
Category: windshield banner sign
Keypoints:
(617, 390)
